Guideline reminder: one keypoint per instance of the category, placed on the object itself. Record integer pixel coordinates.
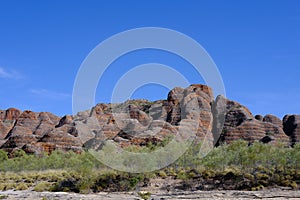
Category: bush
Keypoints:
(162, 174)
(144, 195)
(3, 155)
(22, 186)
(42, 186)
(259, 164)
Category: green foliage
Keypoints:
(162, 174)
(182, 175)
(257, 188)
(42, 186)
(117, 181)
(3, 155)
(56, 160)
(22, 186)
(20, 154)
(144, 195)
(258, 166)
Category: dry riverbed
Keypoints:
(160, 189)
(157, 195)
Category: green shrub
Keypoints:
(293, 185)
(162, 174)
(2, 186)
(144, 195)
(289, 183)
(3, 155)
(259, 187)
(42, 186)
(22, 186)
(182, 175)
(260, 164)
(261, 176)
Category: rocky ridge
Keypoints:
(190, 112)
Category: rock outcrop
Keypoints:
(140, 122)
(291, 126)
(7, 121)
(30, 130)
(241, 124)
(273, 120)
(186, 113)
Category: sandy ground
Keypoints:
(160, 189)
(265, 194)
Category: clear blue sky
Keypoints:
(254, 43)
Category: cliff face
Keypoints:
(189, 111)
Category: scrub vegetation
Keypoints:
(229, 166)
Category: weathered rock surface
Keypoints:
(9, 114)
(140, 122)
(273, 120)
(190, 112)
(7, 120)
(259, 117)
(30, 130)
(291, 126)
(239, 123)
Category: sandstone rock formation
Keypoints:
(140, 122)
(29, 132)
(259, 117)
(241, 124)
(187, 113)
(291, 126)
(7, 121)
(273, 120)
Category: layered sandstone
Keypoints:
(291, 126)
(187, 113)
(239, 123)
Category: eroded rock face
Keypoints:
(139, 122)
(273, 120)
(7, 121)
(259, 117)
(9, 114)
(241, 124)
(67, 119)
(134, 122)
(30, 128)
(62, 138)
(291, 126)
(187, 112)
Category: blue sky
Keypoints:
(255, 44)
